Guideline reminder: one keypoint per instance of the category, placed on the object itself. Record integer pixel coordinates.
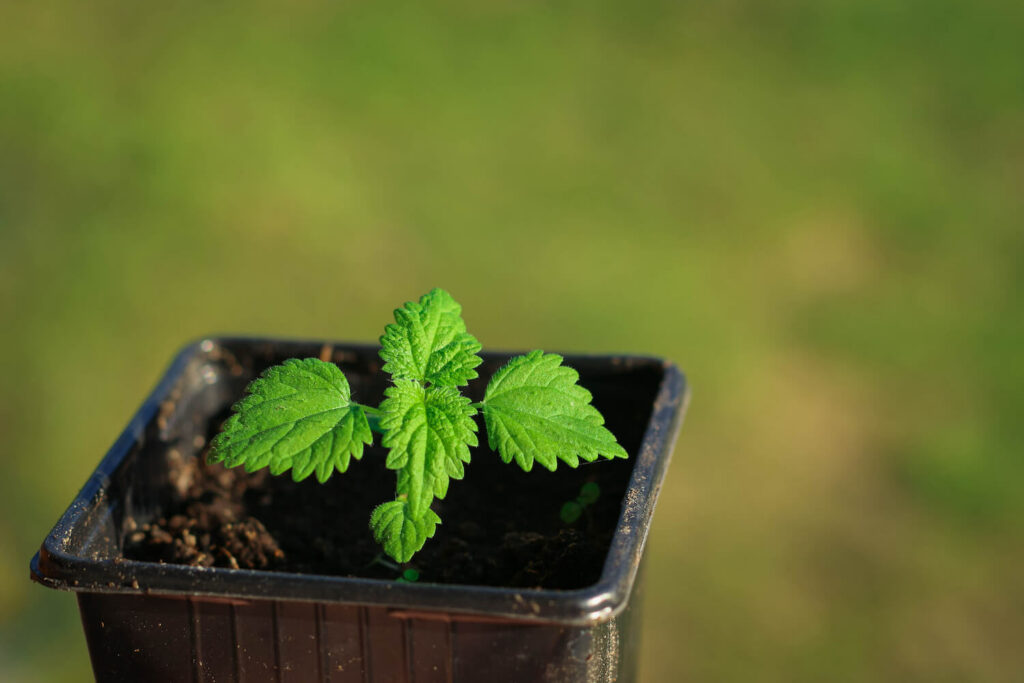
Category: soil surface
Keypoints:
(500, 526)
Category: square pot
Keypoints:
(153, 621)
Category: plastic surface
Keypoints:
(148, 621)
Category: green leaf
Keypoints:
(428, 342)
(429, 431)
(535, 410)
(571, 511)
(296, 415)
(589, 493)
(401, 533)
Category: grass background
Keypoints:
(814, 207)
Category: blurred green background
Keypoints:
(816, 208)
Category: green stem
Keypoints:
(379, 559)
(373, 417)
(370, 410)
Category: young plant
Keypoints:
(573, 509)
(300, 416)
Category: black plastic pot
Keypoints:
(146, 621)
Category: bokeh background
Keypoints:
(816, 208)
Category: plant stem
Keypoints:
(370, 410)
(373, 417)
(379, 559)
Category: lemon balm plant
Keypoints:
(300, 416)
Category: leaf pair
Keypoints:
(428, 424)
(300, 415)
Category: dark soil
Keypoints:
(501, 526)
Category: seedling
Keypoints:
(408, 576)
(300, 415)
(573, 509)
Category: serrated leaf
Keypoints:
(535, 411)
(401, 533)
(298, 416)
(429, 431)
(428, 342)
